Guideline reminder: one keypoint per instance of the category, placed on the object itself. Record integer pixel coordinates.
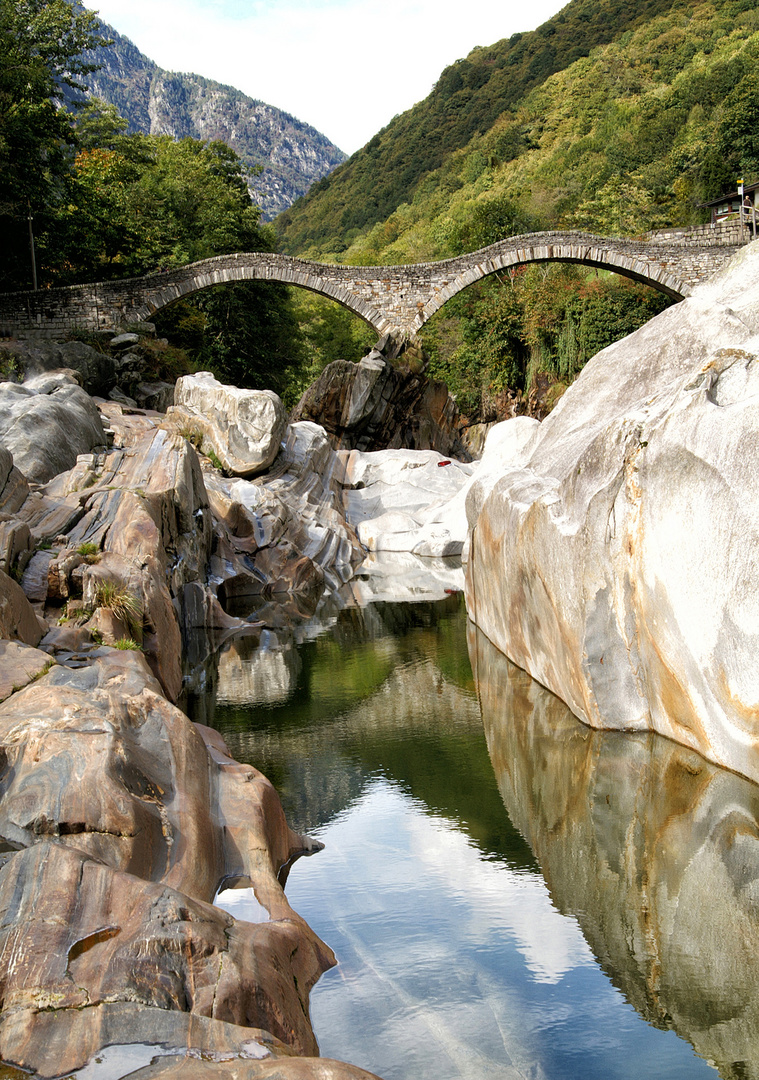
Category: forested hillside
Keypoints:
(661, 114)
(468, 99)
(282, 155)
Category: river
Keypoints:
(509, 894)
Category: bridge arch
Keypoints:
(161, 290)
(395, 300)
(621, 256)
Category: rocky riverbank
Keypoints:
(127, 555)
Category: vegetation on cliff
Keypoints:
(281, 155)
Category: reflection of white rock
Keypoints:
(617, 557)
(249, 675)
(407, 500)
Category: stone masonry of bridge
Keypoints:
(395, 300)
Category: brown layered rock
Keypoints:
(375, 405)
(18, 620)
(142, 508)
(121, 820)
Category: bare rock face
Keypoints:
(615, 558)
(374, 405)
(243, 428)
(121, 819)
(120, 535)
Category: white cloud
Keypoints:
(344, 66)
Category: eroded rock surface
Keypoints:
(615, 558)
(243, 428)
(125, 818)
(285, 532)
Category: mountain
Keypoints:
(284, 156)
(604, 88)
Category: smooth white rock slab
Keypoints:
(616, 557)
(407, 500)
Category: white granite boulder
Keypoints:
(47, 423)
(242, 428)
(617, 557)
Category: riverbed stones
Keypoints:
(242, 428)
(615, 559)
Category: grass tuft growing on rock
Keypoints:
(118, 599)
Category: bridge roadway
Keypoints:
(395, 300)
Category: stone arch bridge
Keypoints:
(395, 300)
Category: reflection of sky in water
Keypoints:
(453, 965)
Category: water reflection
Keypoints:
(651, 848)
(457, 959)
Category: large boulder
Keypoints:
(284, 533)
(375, 405)
(46, 428)
(616, 558)
(242, 428)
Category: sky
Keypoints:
(346, 67)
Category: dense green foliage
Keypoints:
(106, 204)
(495, 337)
(468, 99)
(41, 45)
(603, 120)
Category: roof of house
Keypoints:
(747, 188)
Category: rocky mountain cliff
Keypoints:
(291, 154)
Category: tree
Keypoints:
(41, 46)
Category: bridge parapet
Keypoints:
(392, 299)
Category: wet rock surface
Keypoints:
(614, 558)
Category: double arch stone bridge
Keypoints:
(394, 300)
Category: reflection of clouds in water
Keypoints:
(504, 901)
